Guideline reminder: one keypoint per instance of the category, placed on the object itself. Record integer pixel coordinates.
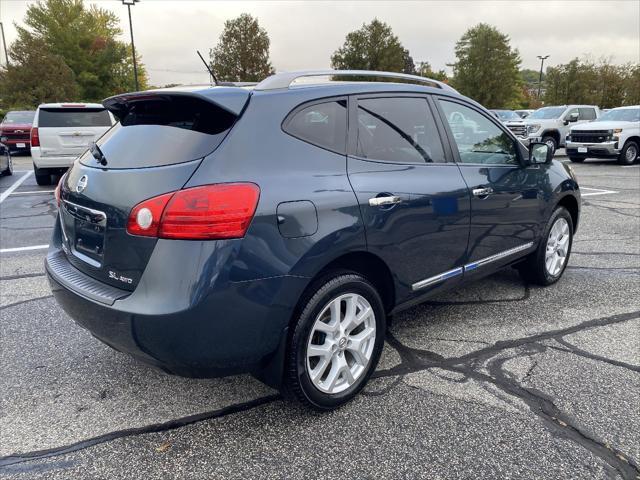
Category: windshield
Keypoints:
(506, 114)
(621, 115)
(547, 113)
(19, 117)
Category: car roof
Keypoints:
(70, 105)
(626, 107)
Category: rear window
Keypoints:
(74, 117)
(322, 124)
(160, 130)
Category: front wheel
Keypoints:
(551, 143)
(336, 342)
(629, 153)
(546, 265)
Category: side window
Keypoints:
(322, 124)
(570, 112)
(399, 129)
(587, 114)
(479, 140)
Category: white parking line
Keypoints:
(596, 191)
(15, 185)
(33, 192)
(23, 249)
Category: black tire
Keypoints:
(43, 177)
(297, 383)
(9, 170)
(533, 269)
(576, 159)
(551, 142)
(626, 156)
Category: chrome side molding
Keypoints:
(469, 266)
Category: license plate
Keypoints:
(582, 149)
(21, 145)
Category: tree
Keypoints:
(242, 52)
(425, 70)
(487, 68)
(373, 47)
(85, 38)
(36, 76)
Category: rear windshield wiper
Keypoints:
(97, 154)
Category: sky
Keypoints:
(304, 34)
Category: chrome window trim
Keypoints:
(468, 267)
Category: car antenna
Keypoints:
(215, 80)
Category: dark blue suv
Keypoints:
(273, 229)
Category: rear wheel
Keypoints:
(546, 265)
(551, 142)
(576, 159)
(629, 153)
(43, 176)
(336, 342)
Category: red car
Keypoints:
(16, 127)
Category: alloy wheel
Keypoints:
(631, 153)
(557, 247)
(341, 343)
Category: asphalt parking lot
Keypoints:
(498, 380)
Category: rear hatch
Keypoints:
(156, 147)
(67, 131)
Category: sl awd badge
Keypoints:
(82, 184)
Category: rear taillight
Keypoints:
(201, 213)
(35, 138)
(57, 190)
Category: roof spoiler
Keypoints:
(231, 99)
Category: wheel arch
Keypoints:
(571, 204)
(552, 133)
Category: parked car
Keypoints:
(524, 113)
(15, 127)
(6, 163)
(513, 122)
(218, 230)
(552, 124)
(61, 132)
(616, 134)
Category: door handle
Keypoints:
(482, 191)
(379, 201)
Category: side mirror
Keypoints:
(571, 118)
(539, 153)
(4, 139)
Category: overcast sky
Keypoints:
(305, 34)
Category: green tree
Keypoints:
(373, 47)
(86, 39)
(487, 68)
(425, 70)
(36, 76)
(242, 52)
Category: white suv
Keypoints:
(63, 131)
(552, 124)
(616, 134)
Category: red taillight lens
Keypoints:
(201, 213)
(35, 138)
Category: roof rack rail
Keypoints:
(285, 79)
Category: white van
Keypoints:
(63, 131)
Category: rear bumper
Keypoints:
(594, 150)
(234, 327)
(45, 161)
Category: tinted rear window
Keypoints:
(74, 117)
(162, 130)
(322, 124)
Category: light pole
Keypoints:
(4, 44)
(542, 59)
(128, 3)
